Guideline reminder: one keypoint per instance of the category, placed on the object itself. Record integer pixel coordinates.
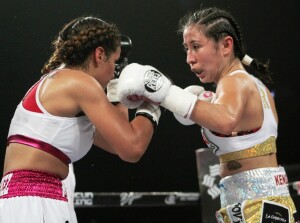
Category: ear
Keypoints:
(99, 54)
(227, 45)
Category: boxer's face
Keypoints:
(201, 54)
(107, 68)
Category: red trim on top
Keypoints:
(39, 145)
(29, 102)
(241, 133)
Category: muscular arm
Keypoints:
(99, 141)
(114, 133)
(225, 113)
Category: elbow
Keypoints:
(225, 131)
(132, 154)
(227, 127)
(132, 147)
(132, 157)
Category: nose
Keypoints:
(190, 59)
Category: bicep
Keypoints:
(105, 117)
(100, 141)
(115, 132)
(232, 95)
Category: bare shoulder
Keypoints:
(64, 92)
(78, 78)
(80, 89)
(79, 84)
(234, 83)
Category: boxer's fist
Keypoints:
(206, 96)
(195, 89)
(201, 95)
(138, 83)
(112, 91)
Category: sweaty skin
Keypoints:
(237, 105)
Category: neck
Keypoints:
(77, 68)
(235, 65)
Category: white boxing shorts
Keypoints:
(35, 197)
(257, 196)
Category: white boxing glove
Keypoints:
(206, 96)
(150, 111)
(112, 91)
(143, 82)
(138, 83)
(195, 89)
(202, 95)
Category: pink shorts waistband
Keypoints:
(32, 183)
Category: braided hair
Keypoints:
(78, 39)
(216, 24)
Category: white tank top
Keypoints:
(223, 145)
(73, 136)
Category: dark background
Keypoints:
(270, 32)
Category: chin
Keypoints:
(202, 80)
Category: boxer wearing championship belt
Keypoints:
(239, 124)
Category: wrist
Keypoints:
(149, 117)
(179, 101)
(150, 111)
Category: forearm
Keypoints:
(100, 142)
(123, 110)
(129, 140)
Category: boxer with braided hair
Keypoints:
(224, 24)
(62, 116)
(239, 123)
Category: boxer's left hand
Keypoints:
(138, 83)
(202, 95)
(112, 91)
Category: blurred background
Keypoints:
(269, 30)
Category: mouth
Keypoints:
(199, 73)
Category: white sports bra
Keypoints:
(224, 145)
(67, 138)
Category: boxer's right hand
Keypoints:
(201, 95)
(138, 83)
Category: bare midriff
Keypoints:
(236, 166)
(19, 156)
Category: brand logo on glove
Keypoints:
(207, 94)
(153, 80)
